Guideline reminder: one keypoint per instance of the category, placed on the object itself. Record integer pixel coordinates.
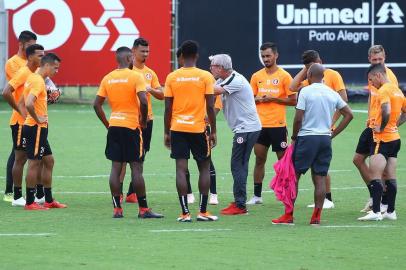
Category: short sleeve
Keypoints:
(338, 82)
(340, 102)
(102, 89)
(168, 89)
(301, 102)
(155, 81)
(11, 68)
(35, 88)
(18, 80)
(140, 84)
(209, 84)
(253, 83)
(287, 80)
(231, 84)
(383, 96)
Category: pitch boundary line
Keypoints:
(25, 234)
(356, 226)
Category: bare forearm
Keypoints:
(101, 115)
(343, 124)
(157, 93)
(211, 114)
(144, 113)
(31, 111)
(297, 80)
(385, 120)
(402, 119)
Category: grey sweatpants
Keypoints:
(240, 156)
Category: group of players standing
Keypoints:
(255, 112)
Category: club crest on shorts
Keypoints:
(275, 81)
(284, 144)
(240, 140)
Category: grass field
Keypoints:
(84, 236)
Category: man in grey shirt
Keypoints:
(312, 136)
(241, 115)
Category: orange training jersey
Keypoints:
(35, 85)
(389, 93)
(274, 85)
(121, 87)
(13, 65)
(17, 82)
(188, 87)
(152, 81)
(332, 79)
(218, 104)
(374, 94)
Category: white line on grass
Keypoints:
(189, 230)
(356, 226)
(360, 111)
(26, 234)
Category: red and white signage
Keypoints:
(85, 34)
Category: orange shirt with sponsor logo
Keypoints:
(17, 82)
(373, 99)
(188, 87)
(13, 65)
(151, 80)
(389, 93)
(332, 79)
(120, 87)
(35, 85)
(272, 85)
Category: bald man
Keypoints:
(312, 136)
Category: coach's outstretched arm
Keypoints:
(98, 108)
(346, 112)
(297, 80)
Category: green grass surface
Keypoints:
(84, 236)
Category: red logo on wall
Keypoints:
(85, 34)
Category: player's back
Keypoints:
(188, 87)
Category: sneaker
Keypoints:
(35, 206)
(285, 219)
(315, 222)
(118, 213)
(232, 209)
(213, 200)
(18, 202)
(206, 217)
(190, 198)
(54, 204)
(368, 206)
(131, 198)
(371, 216)
(147, 213)
(40, 201)
(390, 216)
(185, 218)
(255, 200)
(8, 197)
(326, 205)
(384, 208)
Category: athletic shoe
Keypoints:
(54, 204)
(18, 202)
(255, 200)
(206, 217)
(185, 218)
(315, 222)
(8, 197)
(131, 198)
(384, 208)
(390, 216)
(190, 198)
(327, 204)
(147, 213)
(285, 219)
(232, 209)
(213, 200)
(371, 216)
(40, 201)
(118, 213)
(35, 206)
(368, 206)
